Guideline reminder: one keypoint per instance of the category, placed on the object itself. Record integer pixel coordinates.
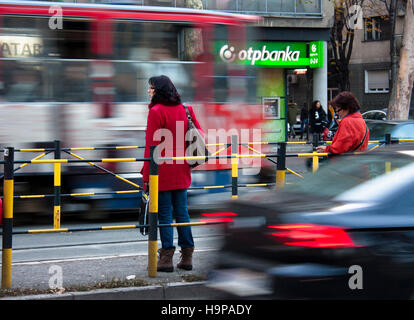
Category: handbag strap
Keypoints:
(363, 139)
(189, 118)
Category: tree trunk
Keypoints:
(393, 45)
(342, 39)
(400, 99)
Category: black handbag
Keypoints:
(143, 212)
(196, 146)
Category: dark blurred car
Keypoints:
(350, 219)
(375, 115)
(398, 129)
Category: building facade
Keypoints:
(285, 23)
(370, 64)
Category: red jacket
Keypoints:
(174, 175)
(350, 133)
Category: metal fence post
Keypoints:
(315, 163)
(153, 216)
(315, 159)
(57, 188)
(281, 166)
(8, 189)
(234, 167)
(315, 141)
(388, 138)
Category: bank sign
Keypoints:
(273, 54)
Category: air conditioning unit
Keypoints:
(292, 78)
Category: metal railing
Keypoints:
(258, 7)
(8, 197)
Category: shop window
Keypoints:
(377, 81)
(377, 29)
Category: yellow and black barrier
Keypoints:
(281, 166)
(6, 271)
(115, 227)
(234, 167)
(153, 187)
(153, 216)
(57, 188)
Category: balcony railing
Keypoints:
(257, 7)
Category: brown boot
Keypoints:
(165, 260)
(186, 261)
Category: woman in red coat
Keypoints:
(166, 128)
(353, 133)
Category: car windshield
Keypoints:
(346, 172)
(378, 131)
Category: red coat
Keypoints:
(174, 175)
(350, 133)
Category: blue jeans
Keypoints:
(303, 126)
(173, 204)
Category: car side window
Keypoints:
(405, 131)
(379, 116)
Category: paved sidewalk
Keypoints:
(85, 273)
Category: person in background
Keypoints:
(292, 114)
(317, 118)
(304, 120)
(167, 112)
(353, 133)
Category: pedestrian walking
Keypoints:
(353, 133)
(166, 112)
(317, 118)
(292, 118)
(304, 120)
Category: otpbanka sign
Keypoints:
(274, 54)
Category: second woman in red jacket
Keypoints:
(166, 128)
(353, 133)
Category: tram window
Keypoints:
(125, 81)
(23, 82)
(26, 38)
(151, 49)
(73, 41)
(136, 40)
(72, 81)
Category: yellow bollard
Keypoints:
(387, 167)
(153, 216)
(315, 163)
(6, 267)
(281, 166)
(56, 207)
(234, 167)
(57, 181)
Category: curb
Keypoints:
(171, 291)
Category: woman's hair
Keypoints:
(164, 91)
(314, 104)
(347, 101)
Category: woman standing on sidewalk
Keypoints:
(167, 113)
(353, 133)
